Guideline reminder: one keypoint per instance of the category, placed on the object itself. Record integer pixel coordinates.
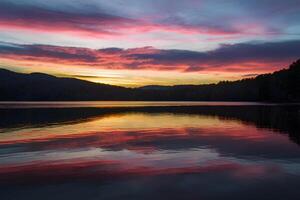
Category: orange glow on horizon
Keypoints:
(136, 78)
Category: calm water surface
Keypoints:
(110, 104)
(173, 150)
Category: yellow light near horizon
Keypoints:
(119, 77)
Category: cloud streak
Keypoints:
(189, 24)
(97, 24)
(241, 57)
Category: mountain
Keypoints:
(38, 87)
(154, 87)
(280, 86)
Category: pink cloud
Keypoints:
(238, 58)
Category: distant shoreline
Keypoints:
(129, 104)
(279, 87)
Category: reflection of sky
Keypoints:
(150, 124)
(147, 144)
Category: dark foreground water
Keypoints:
(166, 151)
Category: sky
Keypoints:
(133, 43)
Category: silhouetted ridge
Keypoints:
(280, 86)
(41, 75)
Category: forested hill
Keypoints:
(280, 86)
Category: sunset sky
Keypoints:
(149, 42)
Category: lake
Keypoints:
(149, 150)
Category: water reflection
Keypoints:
(143, 153)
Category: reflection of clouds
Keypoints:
(146, 144)
(99, 164)
(126, 158)
(118, 127)
(257, 171)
